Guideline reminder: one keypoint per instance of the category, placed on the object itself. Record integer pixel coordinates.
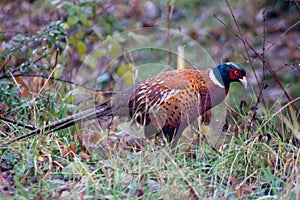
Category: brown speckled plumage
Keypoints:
(165, 103)
(168, 106)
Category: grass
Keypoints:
(253, 164)
(258, 159)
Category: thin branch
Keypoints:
(18, 86)
(247, 51)
(282, 35)
(297, 4)
(30, 127)
(56, 79)
(51, 74)
(268, 65)
(17, 68)
(4, 64)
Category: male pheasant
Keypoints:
(165, 103)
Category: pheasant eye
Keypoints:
(234, 74)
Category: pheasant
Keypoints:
(163, 104)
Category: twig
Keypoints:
(30, 127)
(297, 4)
(282, 35)
(247, 51)
(56, 79)
(18, 86)
(244, 43)
(273, 73)
(4, 64)
(51, 74)
(34, 62)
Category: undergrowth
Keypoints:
(257, 156)
(256, 165)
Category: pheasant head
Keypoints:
(227, 73)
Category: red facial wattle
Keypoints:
(235, 74)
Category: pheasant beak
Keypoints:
(244, 81)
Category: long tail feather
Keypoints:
(101, 110)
